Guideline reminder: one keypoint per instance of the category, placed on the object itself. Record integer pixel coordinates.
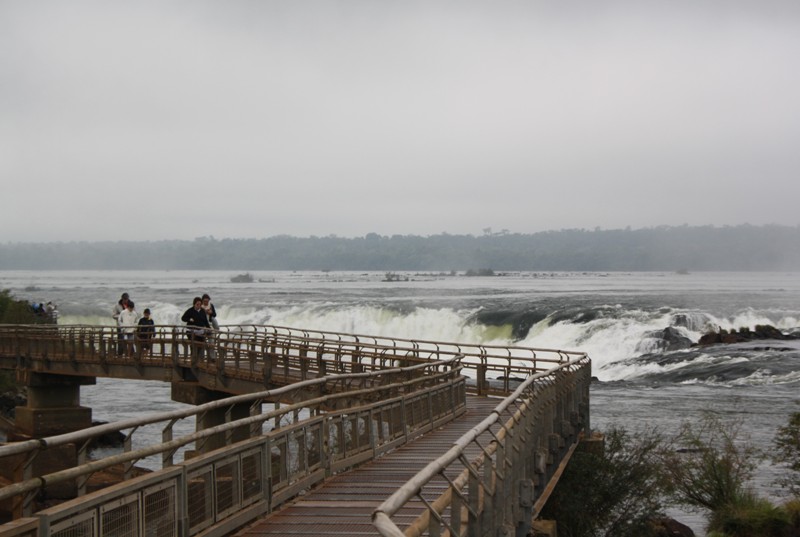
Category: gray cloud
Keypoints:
(155, 120)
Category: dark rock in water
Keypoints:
(691, 321)
(242, 278)
(511, 378)
(765, 331)
(521, 322)
(575, 316)
(681, 319)
(761, 331)
(674, 339)
(668, 339)
(668, 527)
(722, 336)
(109, 440)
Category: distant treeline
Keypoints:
(743, 247)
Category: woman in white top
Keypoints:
(127, 326)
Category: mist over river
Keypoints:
(617, 318)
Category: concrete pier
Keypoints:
(193, 394)
(53, 407)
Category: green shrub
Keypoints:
(792, 508)
(750, 516)
(614, 494)
(14, 311)
(708, 466)
(787, 453)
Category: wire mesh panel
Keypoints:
(81, 525)
(444, 403)
(161, 510)
(336, 439)
(314, 445)
(363, 430)
(396, 420)
(252, 476)
(199, 492)
(418, 413)
(297, 456)
(279, 462)
(120, 518)
(226, 480)
(350, 434)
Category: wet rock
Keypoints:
(760, 332)
(691, 321)
(109, 440)
(668, 339)
(668, 527)
(674, 339)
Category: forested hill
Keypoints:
(663, 248)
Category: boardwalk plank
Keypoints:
(343, 505)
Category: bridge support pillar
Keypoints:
(194, 394)
(54, 405)
(53, 408)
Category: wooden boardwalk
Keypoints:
(343, 504)
(365, 398)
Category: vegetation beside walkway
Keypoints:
(13, 311)
(706, 467)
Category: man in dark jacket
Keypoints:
(196, 321)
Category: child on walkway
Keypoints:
(146, 331)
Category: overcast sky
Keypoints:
(174, 120)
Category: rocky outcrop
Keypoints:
(761, 332)
(666, 340)
(673, 339)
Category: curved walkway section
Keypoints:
(493, 424)
(247, 359)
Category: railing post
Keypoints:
(456, 508)
(166, 436)
(473, 519)
(266, 364)
(174, 351)
(303, 357)
(481, 379)
(525, 508)
(326, 446)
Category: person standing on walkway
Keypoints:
(119, 307)
(127, 327)
(145, 331)
(211, 311)
(197, 326)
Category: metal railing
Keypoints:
(257, 355)
(520, 447)
(212, 494)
